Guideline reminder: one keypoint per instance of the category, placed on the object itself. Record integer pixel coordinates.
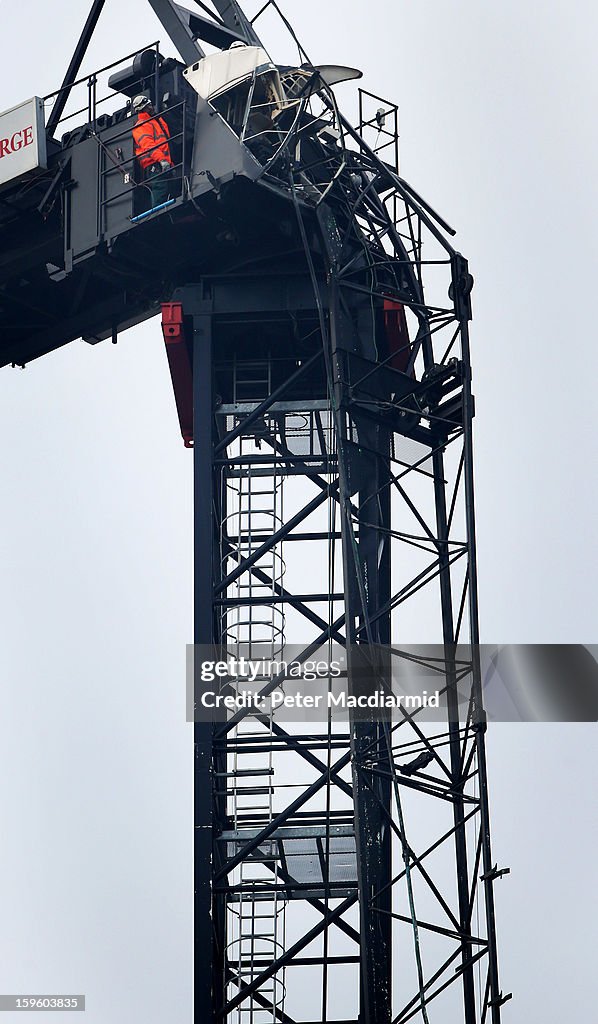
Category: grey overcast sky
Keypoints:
(498, 131)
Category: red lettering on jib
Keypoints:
(16, 141)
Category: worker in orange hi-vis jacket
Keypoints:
(152, 150)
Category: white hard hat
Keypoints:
(141, 101)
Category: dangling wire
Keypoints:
(409, 880)
(302, 54)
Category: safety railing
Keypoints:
(89, 85)
(380, 128)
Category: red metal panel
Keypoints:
(397, 334)
(179, 361)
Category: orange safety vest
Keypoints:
(151, 136)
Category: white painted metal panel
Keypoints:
(221, 71)
(22, 140)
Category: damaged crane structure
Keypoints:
(316, 321)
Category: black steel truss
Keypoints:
(361, 780)
(389, 465)
(400, 446)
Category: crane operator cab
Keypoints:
(259, 104)
(243, 86)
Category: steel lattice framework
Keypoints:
(387, 507)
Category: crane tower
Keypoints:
(316, 318)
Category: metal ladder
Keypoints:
(256, 913)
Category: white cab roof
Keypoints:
(222, 71)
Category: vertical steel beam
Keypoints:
(203, 633)
(460, 274)
(448, 629)
(363, 595)
(375, 568)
